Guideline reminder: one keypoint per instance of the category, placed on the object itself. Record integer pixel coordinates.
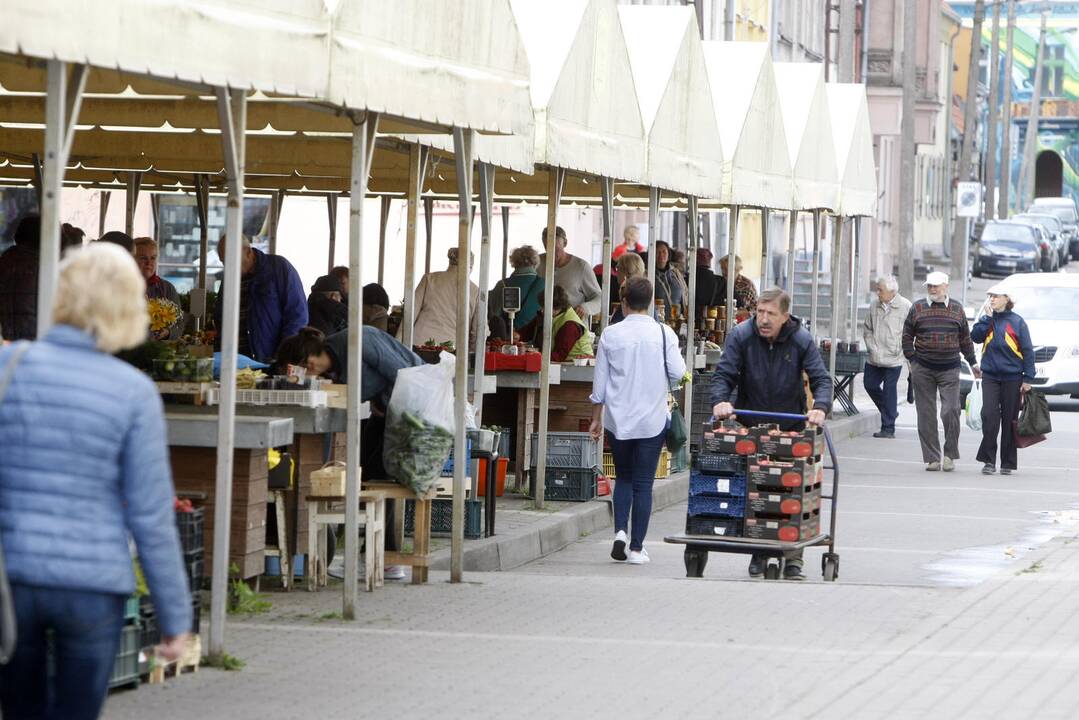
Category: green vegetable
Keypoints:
(414, 451)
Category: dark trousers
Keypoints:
(928, 384)
(80, 630)
(635, 464)
(1000, 406)
(880, 383)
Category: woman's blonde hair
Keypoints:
(629, 265)
(100, 290)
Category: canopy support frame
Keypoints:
(479, 372)
(383, 220)
(837, 265)
(606, 187)
(732, 270)
(417, 166)
(331, 212)
(202, 207)
(813, 304)
(653, 238)
(766, 249)
(693, 241)
(131, 201)
(428, 221)
(277, 201)
(103, 208)
(505, 241)
(792, 237)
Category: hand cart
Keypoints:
(698, 546)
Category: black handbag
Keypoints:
(1034, 415)
(677, 433)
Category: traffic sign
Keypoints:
(968, 199)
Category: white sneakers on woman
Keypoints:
(638, 558)
(618, 551)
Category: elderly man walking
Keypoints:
(883, 334)
(934, 335)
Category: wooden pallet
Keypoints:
(188, 662)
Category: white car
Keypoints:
(1049, 303)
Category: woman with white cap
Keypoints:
(1007, 371)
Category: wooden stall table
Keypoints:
(192, 439)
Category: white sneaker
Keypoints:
(618, 551)
(394, 572)
(638, 558)
(948, 465)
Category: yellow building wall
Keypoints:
(752, 20)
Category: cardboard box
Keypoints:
(806, 527)
(727, 440)
(788, 475)
(774, 503)
(772, 441)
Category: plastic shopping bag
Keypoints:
(420, 424)
(974, 406)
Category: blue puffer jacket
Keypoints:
(85, 465)
(1007, 352)
(276, 305)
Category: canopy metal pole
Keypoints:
(155, 209)
(766, 254)
(134, 184)
(277, 200)
(417, 163)
(837, 265)
(428, 221)
(62, 101)
(383, 220)
(653, 238)
(232, 117)
(202, 207)
(103, 208)
(792, 235)
(813, 304)
(363, 150)
(693, 241)
(39, 174)
(463, 141)
(732, 272)
(854, 258)
(487, 200)
(331, 211)
(606, 186)
(505, 241)
(556, 179)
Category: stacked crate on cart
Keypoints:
(191, 526)
(784, 477)
(701, 411)
(717, 482)
(573, 465)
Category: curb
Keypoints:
(562, 528)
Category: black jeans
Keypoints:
(880, 384)
(1000, 406)
(85, 635)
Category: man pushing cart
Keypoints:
(761, 370)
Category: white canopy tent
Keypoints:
(146, 68)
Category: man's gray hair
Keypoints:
(889, 282)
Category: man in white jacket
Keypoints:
(883, 335)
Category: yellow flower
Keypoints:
(163, 314)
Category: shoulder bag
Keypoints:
(676, 433)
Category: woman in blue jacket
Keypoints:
(1007, 370)
(85, 467)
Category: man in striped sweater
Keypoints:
(935, 334)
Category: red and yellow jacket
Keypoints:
(1007, 352)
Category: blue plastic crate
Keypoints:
(714, 485)
(720, 463)
(734, 507)
(447, 469)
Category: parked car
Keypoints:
(1050, 306)
(1065, 209)
(1054, 227)
(1009, 247)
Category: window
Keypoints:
(1053, 71)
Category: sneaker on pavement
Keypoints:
(638, 557)
(756, 567)
(618, 552)
(949, 465)
(989, 469)
(793, 572)
(884, 434)
(1005, 471)
(932, 467)
(394, 572)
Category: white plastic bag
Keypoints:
(974, 406)
(420, 424)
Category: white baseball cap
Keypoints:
(998, 289)
(936, 278)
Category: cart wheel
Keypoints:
(695, 562)
(830, 566)
(771, 570)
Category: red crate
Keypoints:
(500, 477)
(772, 441)
(529, 362)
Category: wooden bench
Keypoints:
(420, 557)
(327, 511)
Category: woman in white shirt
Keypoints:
(629, 396)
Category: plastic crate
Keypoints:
(447, 467)
(193, 563)
(572, 485)
(191, 370)
(715, 485)
(196, 613)
(131, 609)
(712, 526)
(125, 670)
(575, 450)
(190, 526)
(149, 631)
(442, 517)
(528, 362)
(846, 362)
(714, 506)
(303, 398)
(663, 467)
(720, 463)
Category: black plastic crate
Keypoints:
(442, 517)
(193, 564)
(568, 450)
(703, 484)
(125, 670)
(572, 485)
(710, 505)
(704, 525)
(149, 631)
(196, 613)
(720, 463)
(190, 525)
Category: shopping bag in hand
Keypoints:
(1034, 416)
(974, 406)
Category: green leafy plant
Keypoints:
(242, 599)
(223, 661)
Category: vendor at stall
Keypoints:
(670, 284)
(158, 288)
(575, 275)
(709, 285)
(376, 306)
(524, 260)
(572, 340)
(436, 306)
(325, 310)
(745, 294)
(273, 305)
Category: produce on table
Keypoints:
(163, 314)
(249, 378)
(414, 451)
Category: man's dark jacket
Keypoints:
(756, 374)
(277, 305)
